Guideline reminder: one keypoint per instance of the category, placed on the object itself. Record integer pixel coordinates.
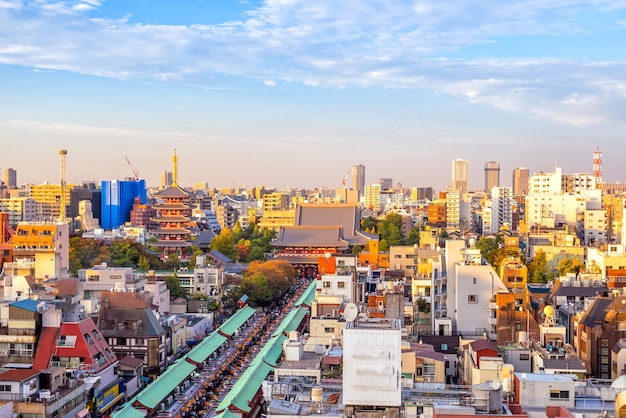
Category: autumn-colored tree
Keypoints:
(225, 244)
(265, 281)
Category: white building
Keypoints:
(501, 208)
(595, 227)
(102, 278)
(464, 294)
(372, 365)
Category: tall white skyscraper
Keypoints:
(459, 175)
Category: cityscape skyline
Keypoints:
(313, 88)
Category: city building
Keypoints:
(372, 365)
(49, 195)
(459, 176)
(47, 245)
(19, 209)
(358, 178)
(132, 329)
(118, 197)
(373, 198)
(386, 183)
(166, 179)
(10, 178)
(492, 175)
(520, 181)
(501, 208)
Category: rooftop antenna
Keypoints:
(175, 169)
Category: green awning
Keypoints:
(206, 347)
(237, 320)
(158, 390)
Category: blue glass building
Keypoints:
(117, 201)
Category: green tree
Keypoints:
(369, 224)
(124, 253)
(537, 268)
(256, 254)
(172, 262)
(569, 265)
(413, 237)
(143, 263)
(173, 284)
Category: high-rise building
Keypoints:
(520, 181)
(372, 197)
(10, 178)
(459, 176)
(358, 178)
(166, 179)
(386, 183)
(118, 197)
(492, 175)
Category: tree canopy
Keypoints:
(264, 281)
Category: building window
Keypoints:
(444, 347)
(5, 388)
(326, 285)
(524, 357)
(341, 285)
(559, 394)
(471, 298)
(329, 330)
(121, 341)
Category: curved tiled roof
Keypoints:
(310, 236)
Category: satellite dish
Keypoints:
(495, 384)
(548, 311)
(350, 312)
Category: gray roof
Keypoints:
(565, 364)
(310, 236)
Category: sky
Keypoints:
(292, 93)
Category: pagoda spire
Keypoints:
(175, 169)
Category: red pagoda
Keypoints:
(173, 217)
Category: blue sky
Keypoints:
(294, 92)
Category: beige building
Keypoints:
(47, 244)
(275, 202)
(274, 219)
(20, 209)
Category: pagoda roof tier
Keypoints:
(173, 192)
(171, 243)
(170, 219)
(165, 231)
(171, 206)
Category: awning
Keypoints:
(82, 413)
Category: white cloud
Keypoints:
(374, 43)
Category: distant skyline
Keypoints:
(294, 93)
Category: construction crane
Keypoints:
(135, 172)
(343, 180)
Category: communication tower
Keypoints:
(597, 167)
(63, 200)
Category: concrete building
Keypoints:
(47, 244)
(459, 176)
(492, 175)
(373, 197)
(386, 183)
(166, 179)
(372, 368)
(358, 178)
(501, 208)
(49, 195)
(102, 278)
(10, 178)
(520, 181)
(275, 202)
(19, 209)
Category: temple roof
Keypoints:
(171, 206)
(346, 216)
(171, 243)
(310, 236)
